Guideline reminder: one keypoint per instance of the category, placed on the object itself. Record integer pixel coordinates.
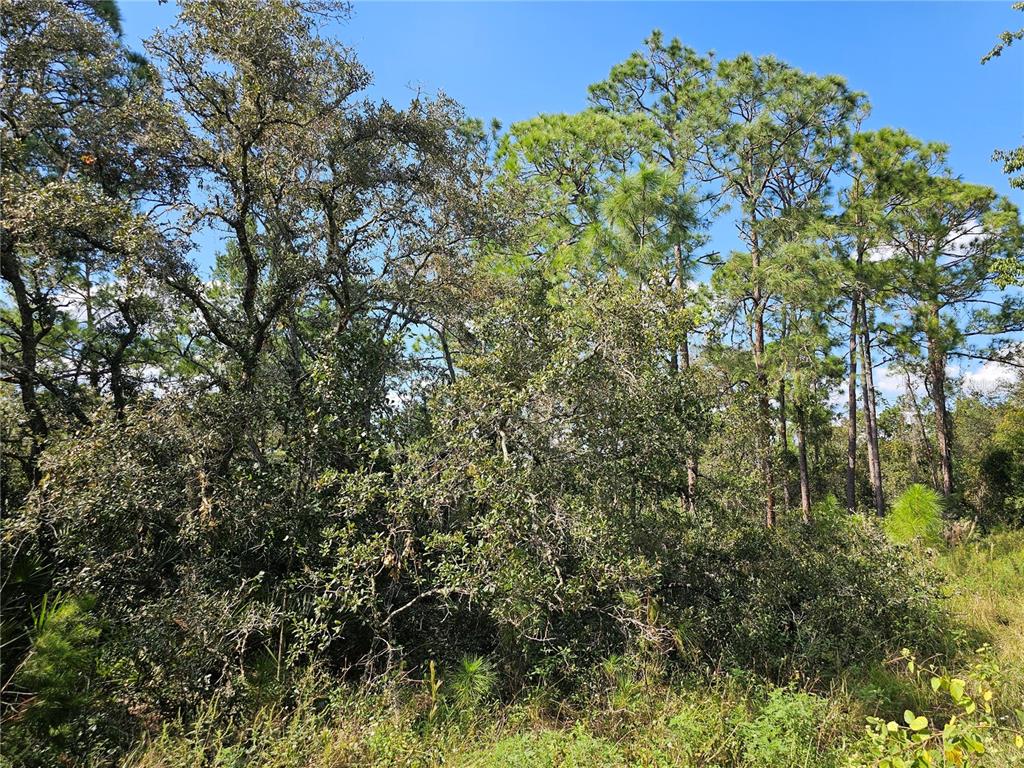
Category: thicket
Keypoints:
(462, 417)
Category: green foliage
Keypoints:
(63, 655)
(971, 724)
(472, 682)
(789, 585)
(987, 578)
(576, 749)
(1012, 159)
(725, 720)
(784, 731)
(994, 472)
(61, 708)
(916, 516)
(448, 458)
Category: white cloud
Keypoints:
(881, 253)
(961, 243)
(989, 377)
(985, 379)
(890, 383)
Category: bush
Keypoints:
(534, 520)
(61, 708)
(545, 567)
(807, 599)
(916, 516)
(784, 732)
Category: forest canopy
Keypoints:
(459, 394)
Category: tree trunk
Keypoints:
(929, 454)
(90, 325)
(805, 476)
(25, 368)
(784, 444)
(851, 406)
(871, 414)
(763, 414)
(683, 363)
(943, 426)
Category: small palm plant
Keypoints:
(621, 681)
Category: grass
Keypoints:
(725, 724)
(986, 586)
(724, 721)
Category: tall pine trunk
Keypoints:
(871, 413)
(763, 407)
(683, 363)
(929, 454)
(943, 426)
(805, 475)
(851, 406)
(784, 446)
(764, 428)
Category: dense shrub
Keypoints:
(536, 519)
(808, 599)
(991, 436)
(543, 585)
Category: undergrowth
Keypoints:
(961, 710)
(960, 707)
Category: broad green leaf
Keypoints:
(956, 688)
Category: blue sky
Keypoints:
(918, 62)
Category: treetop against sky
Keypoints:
(919, 63)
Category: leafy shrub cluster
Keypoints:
(992, 460)
(507, 530)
